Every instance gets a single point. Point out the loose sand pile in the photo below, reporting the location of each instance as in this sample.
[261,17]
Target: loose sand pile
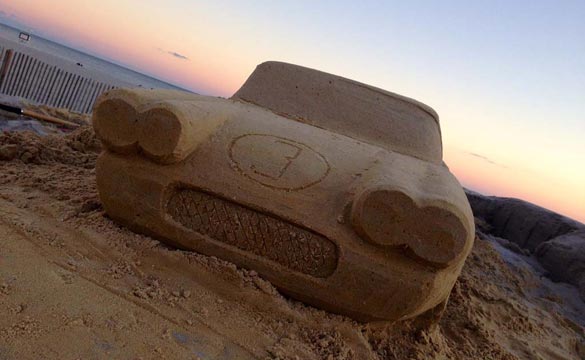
[60,113]
[73,284]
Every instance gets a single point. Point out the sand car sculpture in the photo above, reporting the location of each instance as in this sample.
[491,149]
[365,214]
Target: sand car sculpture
[333,190]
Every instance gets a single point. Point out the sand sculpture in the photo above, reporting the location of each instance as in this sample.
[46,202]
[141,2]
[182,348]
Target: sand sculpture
[333,190]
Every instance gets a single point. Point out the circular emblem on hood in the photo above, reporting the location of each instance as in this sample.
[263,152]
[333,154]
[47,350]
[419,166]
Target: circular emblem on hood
[278,162]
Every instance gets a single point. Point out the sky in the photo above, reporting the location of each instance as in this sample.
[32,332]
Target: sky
[506,77]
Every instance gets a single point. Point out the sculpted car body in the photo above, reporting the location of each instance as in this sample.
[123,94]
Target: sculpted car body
[333,190]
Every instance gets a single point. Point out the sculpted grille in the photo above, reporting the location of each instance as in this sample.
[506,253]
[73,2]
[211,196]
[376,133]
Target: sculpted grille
[264,235]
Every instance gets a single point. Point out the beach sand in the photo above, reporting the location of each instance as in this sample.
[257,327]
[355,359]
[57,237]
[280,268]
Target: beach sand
[74,285]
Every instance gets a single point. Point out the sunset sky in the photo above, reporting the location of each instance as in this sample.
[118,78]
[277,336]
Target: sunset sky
[506,77]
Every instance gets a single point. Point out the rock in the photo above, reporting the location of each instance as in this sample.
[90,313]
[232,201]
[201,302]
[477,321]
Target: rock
[564,258]
[519,221]
[8,152]
[26,157]
[90,205]
[77,145]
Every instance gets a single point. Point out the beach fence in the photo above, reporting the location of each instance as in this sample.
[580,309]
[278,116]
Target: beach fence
[22,75]
[45,79]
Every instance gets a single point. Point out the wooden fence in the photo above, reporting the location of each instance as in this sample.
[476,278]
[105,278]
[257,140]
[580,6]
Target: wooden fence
[25,76]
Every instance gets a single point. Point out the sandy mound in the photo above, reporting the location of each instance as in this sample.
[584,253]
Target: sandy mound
[68,273]
[555,241]
[526,225]
[564,258]
[78,148]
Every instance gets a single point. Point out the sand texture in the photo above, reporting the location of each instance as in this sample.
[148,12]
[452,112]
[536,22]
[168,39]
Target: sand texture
[334,211]
[74,285]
